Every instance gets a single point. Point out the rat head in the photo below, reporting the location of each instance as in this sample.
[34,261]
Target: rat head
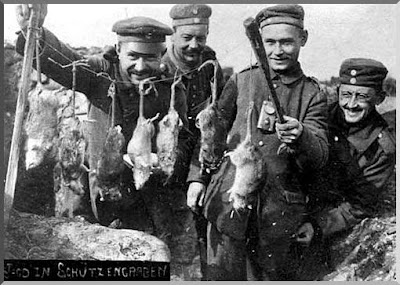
[213,137]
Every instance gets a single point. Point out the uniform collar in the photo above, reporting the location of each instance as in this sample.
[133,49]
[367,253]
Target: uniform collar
[289,77]
[362,135]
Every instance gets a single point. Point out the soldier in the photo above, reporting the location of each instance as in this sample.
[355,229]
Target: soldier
[137,56]
[185,55]
[362,152]
[264,233]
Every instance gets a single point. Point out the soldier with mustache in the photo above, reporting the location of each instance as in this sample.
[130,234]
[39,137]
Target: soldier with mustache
[187,52]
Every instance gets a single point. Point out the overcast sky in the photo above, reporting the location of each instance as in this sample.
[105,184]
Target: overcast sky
[336,31]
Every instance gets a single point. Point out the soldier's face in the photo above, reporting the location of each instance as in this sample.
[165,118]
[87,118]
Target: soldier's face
[189,42]
[136,66]
[356,102]
[282,43]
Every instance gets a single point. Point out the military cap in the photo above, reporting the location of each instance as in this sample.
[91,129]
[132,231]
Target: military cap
[190,14]
[148,34]
[291,14]
[363,72]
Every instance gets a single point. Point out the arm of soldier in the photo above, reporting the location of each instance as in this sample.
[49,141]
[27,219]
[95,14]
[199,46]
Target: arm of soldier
[382,168]
[51,47]
[363,194]
[337,219]
[312,145]
[366,191]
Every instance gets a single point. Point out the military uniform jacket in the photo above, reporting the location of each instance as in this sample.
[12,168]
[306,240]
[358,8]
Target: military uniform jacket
[198,93]
[361,161]
[96,89]
[284,175]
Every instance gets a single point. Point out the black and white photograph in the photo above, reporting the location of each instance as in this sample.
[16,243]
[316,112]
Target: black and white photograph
[200,142]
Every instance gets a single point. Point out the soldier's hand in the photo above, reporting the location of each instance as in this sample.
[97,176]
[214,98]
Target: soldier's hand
[305,234]
[195,196]
[23,12]
[289,131]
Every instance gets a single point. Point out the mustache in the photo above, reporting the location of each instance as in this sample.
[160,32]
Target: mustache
[193,51]
[356,109]
[140,73]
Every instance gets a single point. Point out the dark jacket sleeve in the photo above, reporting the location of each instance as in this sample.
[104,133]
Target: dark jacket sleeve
[312,146]
[53,48]
[362,196]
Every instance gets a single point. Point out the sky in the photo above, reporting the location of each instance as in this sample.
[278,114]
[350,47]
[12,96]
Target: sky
[336,31]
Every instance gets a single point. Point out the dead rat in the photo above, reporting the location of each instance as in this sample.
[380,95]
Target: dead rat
[248,161]
[167,137]
[213,129]
[139,147]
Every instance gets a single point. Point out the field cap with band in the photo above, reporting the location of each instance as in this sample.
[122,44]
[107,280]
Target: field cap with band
[190,14]
[291,14]
[363,72]
[147,34]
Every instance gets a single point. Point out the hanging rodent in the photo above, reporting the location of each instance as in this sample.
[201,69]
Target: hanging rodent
[139,147]
[213,129]
[167,137]
[110,166]
[68,172]
[248,161]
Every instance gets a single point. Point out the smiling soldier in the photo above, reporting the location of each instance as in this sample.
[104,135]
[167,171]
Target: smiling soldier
[362,152]
[186,54]
[137,56]
[263,232]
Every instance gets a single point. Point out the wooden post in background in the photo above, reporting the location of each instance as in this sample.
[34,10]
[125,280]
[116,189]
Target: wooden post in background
[12,169]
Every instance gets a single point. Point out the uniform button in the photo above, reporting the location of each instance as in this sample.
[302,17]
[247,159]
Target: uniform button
[275,85]
[260,143]
[335,138]
[380,135]
[190,117]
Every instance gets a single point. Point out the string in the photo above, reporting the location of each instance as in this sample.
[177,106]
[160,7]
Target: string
[105,75]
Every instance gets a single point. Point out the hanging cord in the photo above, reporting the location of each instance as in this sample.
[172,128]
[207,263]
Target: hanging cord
[38,69]
[177,80]
[111,94]
[74,64]
[101,74]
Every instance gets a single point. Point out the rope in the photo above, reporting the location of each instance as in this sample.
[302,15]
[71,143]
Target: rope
[103,74]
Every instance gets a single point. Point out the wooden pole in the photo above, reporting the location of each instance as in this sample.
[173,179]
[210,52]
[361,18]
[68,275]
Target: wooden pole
[19,113]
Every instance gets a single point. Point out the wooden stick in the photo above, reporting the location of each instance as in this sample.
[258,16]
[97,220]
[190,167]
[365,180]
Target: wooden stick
[19,113]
